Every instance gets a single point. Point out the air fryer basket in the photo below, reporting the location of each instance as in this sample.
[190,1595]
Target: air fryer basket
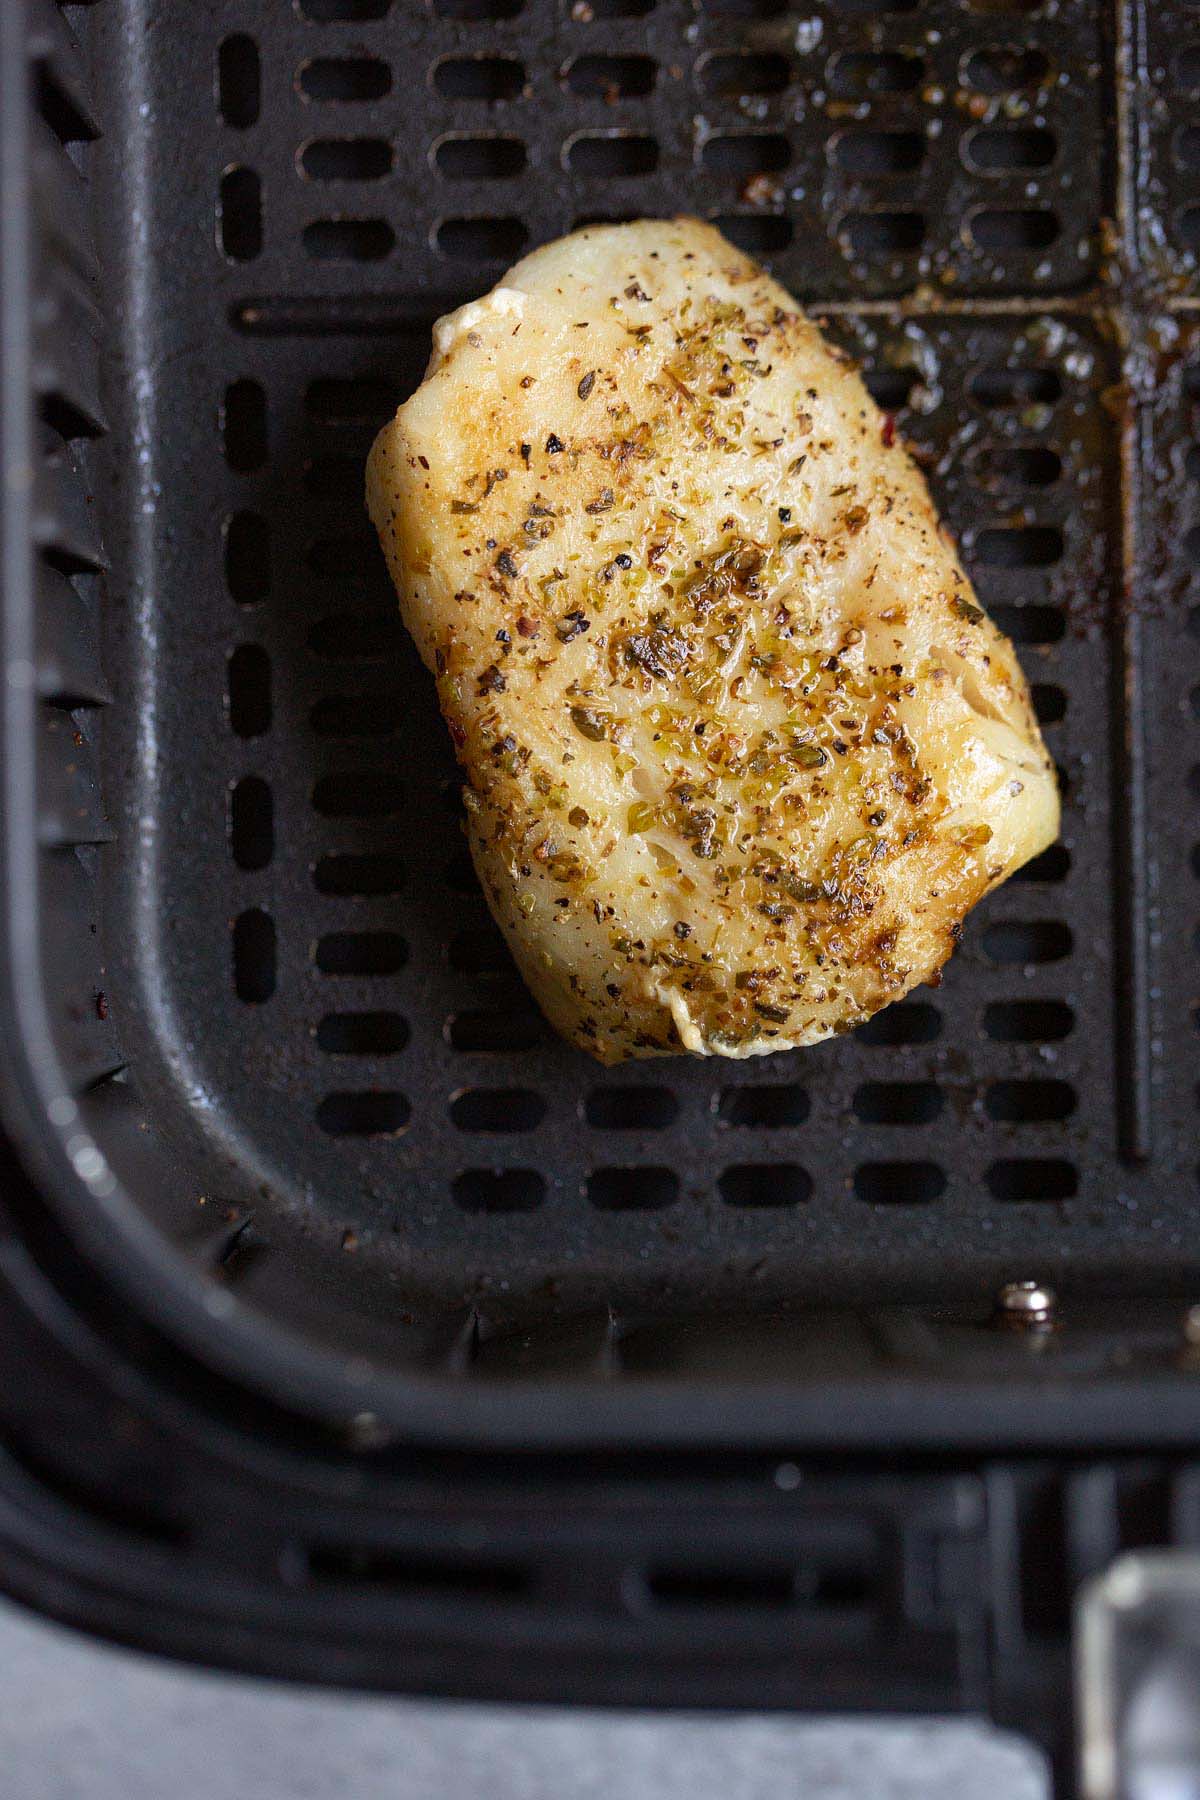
[291,984]
[372,1140]
[292,1123]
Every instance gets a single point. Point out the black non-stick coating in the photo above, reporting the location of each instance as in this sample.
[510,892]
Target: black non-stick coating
[313,1003]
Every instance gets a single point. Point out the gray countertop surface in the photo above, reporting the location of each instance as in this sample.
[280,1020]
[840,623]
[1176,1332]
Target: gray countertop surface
[84,1721]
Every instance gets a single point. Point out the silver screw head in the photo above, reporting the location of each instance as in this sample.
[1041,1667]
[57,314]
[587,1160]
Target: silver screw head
[1026,1302]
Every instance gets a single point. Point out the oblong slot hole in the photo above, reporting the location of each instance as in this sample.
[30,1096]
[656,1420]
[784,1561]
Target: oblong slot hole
[1049,702]
[497,1109]
[632,1108]
[758,234]
[1036,1178]
[1030,624]
[496,1033]
[480,158]
[746,9]
[476,12]
[899,1183]
[763,1108]
[345,401]
[637,1189]
[839,1586]
[239,214]
[866,154]
[1018,546]
[908,1022]
[1016,465]
[247,558]
[481,240]
[1024,148]
[1028,941]
[331,12]
[249,678]
[346,159]
[617,9]
[239,80]
[488,78]
[358,794]
[1030,1102]
[360,953]
[889,387]
[366,1114]
[1187,223]
[729,75]
[882,233]
[611,156]
[348,240]
[898,1102]
[251,823]
[352,716]
[1007,230]
[690,1588]
[69,420]
[58,99]
[1003,69]
[353,873]
[765,1184]
[1187,147]
[345,79]
[1002,389]
[742,154]
[1186,69]
[244,425]
[1053,864]
[1028,1021]
[254,956]
[356,637]
[498,1190]
[857,74]
[611,77]
[362,1034]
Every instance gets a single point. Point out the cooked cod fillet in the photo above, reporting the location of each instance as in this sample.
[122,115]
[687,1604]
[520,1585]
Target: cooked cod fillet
[743,748]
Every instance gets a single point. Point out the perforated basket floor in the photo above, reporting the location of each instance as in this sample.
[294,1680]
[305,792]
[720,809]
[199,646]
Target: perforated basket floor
[304,980]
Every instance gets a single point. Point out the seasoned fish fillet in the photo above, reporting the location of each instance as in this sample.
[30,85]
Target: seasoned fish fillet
[743,748]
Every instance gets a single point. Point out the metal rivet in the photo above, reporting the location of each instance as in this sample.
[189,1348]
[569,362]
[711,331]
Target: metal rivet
[1026,1303]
